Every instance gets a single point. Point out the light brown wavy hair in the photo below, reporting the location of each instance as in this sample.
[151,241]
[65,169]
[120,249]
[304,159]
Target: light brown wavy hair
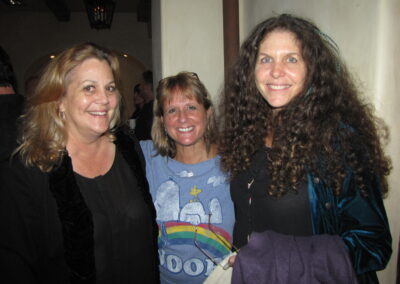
[190,86]
[43,135]
[326,130]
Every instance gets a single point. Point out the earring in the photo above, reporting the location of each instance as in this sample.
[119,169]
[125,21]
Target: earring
[62,115]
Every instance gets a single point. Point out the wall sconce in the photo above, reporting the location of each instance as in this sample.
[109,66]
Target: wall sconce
[100,13]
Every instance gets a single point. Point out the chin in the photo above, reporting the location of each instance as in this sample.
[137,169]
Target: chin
[278,104]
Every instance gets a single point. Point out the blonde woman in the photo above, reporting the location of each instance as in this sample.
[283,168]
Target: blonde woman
[74,201]
[191,194]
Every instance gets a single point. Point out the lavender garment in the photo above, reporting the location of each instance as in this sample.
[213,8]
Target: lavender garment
[270,257]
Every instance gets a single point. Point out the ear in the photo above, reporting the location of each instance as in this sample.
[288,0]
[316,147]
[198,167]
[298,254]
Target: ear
[209,112]
[61,105]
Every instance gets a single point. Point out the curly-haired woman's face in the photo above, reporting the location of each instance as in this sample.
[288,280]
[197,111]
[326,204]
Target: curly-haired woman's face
[280,70]
[91,100]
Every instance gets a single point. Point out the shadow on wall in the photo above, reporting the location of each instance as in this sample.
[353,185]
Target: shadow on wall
[131,74]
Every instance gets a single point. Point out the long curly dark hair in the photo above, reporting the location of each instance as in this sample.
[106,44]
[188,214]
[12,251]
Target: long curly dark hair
[325,130]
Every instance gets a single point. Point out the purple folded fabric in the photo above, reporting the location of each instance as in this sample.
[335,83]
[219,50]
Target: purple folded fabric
[270,257]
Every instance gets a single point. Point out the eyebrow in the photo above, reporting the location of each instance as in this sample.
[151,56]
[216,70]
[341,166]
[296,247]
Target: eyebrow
[290,53]
[96,82]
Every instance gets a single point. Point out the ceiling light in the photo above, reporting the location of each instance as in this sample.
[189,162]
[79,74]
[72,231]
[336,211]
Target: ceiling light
[100,13]
[13,2]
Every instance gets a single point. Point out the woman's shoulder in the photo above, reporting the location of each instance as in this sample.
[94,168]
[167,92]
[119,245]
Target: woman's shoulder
[15,166]
[146,144]
[147,148]
[18,178]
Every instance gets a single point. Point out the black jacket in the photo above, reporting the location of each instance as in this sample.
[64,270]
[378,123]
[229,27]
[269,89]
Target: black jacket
[10,110]
[47,229]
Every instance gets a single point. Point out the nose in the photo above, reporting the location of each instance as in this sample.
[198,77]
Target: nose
[182,116]
[277,70]
[102,97]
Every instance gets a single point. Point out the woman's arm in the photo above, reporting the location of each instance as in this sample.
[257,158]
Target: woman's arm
[365,227]
[18,225]
[360,220]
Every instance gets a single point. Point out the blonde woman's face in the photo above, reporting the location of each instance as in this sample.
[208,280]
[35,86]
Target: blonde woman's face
[91,100]
[185,120]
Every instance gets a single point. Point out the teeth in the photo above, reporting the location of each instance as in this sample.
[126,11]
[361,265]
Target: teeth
[278,87]
[98,112]
[185,129]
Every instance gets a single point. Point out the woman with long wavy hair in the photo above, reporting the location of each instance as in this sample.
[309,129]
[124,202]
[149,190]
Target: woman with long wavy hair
[303,149]
[74,201]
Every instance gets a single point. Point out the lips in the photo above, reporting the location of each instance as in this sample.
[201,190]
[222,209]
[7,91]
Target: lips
[278,87]
[186,129]
[98,113]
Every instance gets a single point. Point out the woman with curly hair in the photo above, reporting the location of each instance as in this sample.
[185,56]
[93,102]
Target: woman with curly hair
[303,149]
[75,205]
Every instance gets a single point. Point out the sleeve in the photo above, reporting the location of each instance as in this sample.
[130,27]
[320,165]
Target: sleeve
[147,147]
[149,156]
[18,226]
[359,219]
[365,228]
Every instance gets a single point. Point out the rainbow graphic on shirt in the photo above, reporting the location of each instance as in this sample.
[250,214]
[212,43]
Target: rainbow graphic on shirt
[209,237]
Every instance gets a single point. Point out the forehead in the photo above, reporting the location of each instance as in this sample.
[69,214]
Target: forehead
[280,40]
[90,67]
[178,95]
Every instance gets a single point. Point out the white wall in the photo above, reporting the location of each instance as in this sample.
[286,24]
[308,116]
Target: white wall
[367,32]
[387,102]
[189,37]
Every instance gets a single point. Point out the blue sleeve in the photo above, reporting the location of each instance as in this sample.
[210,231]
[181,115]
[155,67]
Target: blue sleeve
[360,220]
[147,147]
[365,227]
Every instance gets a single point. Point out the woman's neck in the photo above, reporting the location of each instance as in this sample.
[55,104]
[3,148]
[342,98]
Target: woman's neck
[194,155]
[85,146]
[268,141]
[91,159]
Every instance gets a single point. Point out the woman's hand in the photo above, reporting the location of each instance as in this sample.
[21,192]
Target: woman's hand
[230,262]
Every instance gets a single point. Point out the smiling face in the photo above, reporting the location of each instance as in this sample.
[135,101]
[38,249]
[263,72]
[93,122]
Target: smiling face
[185,120]
[280,70]
[90,101]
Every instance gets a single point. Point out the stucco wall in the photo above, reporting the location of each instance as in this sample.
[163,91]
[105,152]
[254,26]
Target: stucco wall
[190,38]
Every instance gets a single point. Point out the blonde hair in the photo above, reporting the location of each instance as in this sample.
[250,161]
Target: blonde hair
[190,86]
[42,135]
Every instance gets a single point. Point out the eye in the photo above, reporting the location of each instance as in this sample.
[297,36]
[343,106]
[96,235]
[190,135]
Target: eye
[111,88]
[192,107]
[89,88]
[266,59]
[171,111]
[292,59]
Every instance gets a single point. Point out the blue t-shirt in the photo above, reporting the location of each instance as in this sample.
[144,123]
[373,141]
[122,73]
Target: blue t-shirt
[193,206]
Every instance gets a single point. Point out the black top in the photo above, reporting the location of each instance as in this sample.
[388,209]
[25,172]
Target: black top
[118,213]
[256,211]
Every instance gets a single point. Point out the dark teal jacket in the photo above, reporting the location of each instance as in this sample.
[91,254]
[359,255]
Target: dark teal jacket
[359,220]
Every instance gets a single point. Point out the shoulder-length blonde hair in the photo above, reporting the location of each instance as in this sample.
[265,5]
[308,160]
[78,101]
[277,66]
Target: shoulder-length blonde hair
[42,135]
[189,85]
